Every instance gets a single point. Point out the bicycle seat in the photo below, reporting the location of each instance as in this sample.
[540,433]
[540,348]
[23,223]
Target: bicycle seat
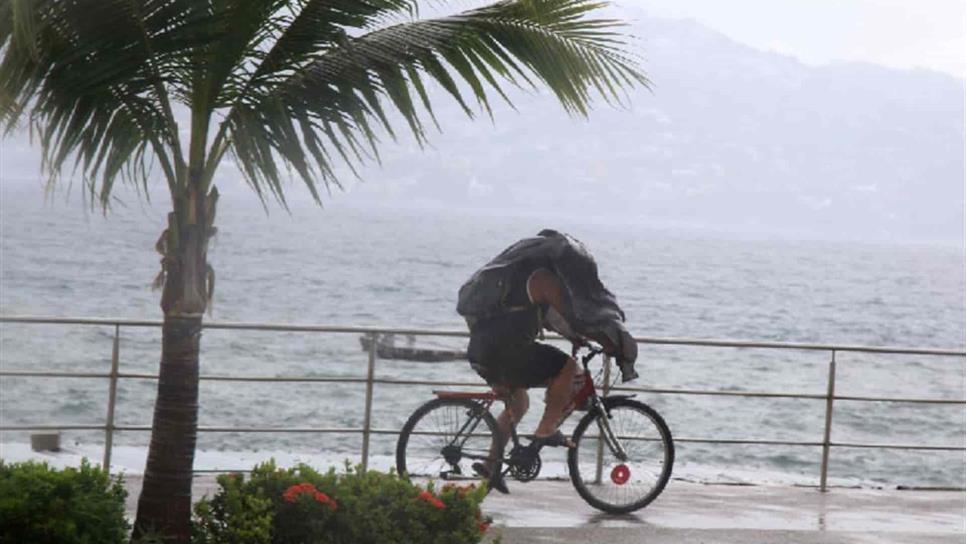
[480,395]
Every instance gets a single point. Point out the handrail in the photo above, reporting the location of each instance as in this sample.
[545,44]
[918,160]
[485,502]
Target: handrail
[283,327]
[370,381]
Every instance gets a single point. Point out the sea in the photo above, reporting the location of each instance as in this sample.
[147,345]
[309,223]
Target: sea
[362,263]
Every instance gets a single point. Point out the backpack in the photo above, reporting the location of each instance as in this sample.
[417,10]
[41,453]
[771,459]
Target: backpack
[484,294]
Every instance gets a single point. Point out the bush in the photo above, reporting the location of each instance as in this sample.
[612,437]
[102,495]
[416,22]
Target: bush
[301,505]
[41,505]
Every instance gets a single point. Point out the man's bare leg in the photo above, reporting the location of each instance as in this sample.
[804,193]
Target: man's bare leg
[559,396]
[517,404]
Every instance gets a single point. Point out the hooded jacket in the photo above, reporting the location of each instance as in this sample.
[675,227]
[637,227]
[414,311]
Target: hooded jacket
[589,308]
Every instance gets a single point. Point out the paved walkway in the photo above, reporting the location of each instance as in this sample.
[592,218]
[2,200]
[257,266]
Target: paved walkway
[544,512]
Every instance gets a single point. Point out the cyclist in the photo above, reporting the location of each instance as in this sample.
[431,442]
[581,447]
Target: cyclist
[547,282]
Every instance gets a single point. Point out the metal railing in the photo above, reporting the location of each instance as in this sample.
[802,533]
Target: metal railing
[830,396]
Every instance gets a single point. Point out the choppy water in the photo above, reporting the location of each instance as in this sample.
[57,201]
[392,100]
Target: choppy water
[402,268]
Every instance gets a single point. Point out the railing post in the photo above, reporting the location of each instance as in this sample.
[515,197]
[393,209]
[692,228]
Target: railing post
[826,442]
[112,399]
[605,388]
[368,418]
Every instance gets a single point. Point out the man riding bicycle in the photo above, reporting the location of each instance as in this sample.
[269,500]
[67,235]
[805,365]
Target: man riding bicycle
[546,282]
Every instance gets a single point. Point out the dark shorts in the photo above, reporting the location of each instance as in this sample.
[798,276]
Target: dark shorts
[521,365]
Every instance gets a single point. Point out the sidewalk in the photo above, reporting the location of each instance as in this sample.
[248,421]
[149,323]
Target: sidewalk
[544,512]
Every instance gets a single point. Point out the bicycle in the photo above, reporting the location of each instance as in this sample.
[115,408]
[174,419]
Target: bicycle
[442,439]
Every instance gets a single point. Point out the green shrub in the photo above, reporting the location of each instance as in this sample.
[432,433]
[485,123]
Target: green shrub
[41,505]
[302,506]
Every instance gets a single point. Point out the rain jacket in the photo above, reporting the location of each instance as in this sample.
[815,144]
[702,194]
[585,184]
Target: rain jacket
[589,308]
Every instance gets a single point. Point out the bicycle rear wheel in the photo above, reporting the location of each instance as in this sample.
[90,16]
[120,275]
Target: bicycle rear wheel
[443,438]
[621,485]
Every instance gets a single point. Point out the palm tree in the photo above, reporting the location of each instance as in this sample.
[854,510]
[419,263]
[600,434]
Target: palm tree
[286,87]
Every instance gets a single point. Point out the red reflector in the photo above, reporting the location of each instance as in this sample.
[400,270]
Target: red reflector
[620,474]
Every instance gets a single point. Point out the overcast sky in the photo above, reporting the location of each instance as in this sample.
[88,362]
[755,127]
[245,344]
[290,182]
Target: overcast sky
[896,33]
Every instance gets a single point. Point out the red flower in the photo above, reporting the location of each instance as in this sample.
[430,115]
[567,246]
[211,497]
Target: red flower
[322,498]
[292,493]
[483,526]
[428,497]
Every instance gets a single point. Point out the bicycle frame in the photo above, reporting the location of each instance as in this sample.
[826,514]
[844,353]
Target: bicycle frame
[596,404]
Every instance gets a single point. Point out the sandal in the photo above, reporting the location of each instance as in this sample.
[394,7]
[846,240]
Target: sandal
[494,481]
[555,440]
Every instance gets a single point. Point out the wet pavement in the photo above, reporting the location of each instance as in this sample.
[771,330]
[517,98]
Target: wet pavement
[544,512]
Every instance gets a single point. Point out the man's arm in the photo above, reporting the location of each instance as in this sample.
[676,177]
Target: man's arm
[544,287]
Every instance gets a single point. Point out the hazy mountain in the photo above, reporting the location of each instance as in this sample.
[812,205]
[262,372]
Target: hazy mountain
[730,139]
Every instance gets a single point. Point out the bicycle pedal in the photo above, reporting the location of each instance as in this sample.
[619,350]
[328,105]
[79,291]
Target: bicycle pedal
[447,474]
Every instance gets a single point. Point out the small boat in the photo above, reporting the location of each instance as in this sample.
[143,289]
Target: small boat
[386,348]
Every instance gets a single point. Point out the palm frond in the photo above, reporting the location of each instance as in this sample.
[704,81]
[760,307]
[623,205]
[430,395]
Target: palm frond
[315,26]
[262,40]
[328,109]
[90,75]
[296,80]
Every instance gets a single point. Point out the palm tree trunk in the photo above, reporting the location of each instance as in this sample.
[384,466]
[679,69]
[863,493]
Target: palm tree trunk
[164,506]
[165,503]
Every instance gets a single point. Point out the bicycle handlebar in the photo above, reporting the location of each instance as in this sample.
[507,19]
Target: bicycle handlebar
[593,351]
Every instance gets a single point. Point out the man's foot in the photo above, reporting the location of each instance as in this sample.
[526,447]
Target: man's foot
[557,439]
[494,481]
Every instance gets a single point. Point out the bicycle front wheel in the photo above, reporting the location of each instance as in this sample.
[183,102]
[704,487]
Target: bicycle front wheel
[621,463]
[443,438]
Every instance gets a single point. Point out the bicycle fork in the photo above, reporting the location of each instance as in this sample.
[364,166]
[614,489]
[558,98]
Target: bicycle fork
[609,438]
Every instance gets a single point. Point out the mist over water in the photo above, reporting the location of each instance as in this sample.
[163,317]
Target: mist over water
[381,266]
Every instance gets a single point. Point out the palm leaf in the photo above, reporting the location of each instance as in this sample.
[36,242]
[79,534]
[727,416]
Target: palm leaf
[349,83]
[93,76]
[303,84]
